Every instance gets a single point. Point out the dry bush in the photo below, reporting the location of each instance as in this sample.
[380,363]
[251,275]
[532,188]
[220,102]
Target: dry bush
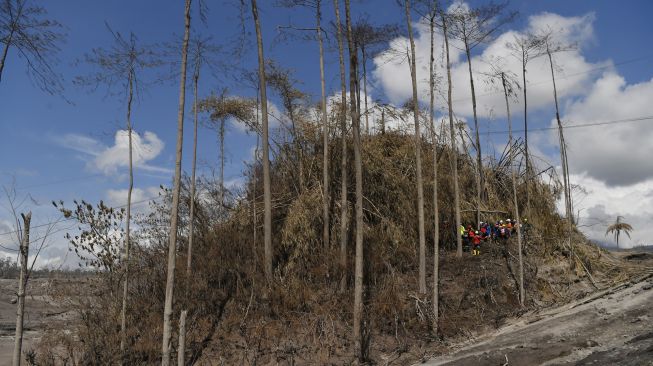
[300,317]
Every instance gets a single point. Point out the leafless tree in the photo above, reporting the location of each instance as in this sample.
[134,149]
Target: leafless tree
[472,27]
[418,155]
[370,38]
[267,211]
[172,244]
[548,47]
[201,52]
[36,38]
[281,80]
[509,86]
[316,5]
[344,219]
[358,166]
[452,131]
[430,14]
[524,48]
[120,67]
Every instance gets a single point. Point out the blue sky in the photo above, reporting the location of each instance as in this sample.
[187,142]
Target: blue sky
[51,148]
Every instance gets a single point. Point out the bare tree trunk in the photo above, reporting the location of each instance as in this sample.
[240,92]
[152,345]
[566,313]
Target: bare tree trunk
[125,293]
[436,215]
[479,161]
[174,213]
[4,53]
[367,122]
[355,117]
[20,310]
[343,161]
[514,194]
[418,158]
[181,351]
[563,160]
[454,150]
[528,162]
[267,219]
[325,138]
[221,137]
[255,233]
[191,219]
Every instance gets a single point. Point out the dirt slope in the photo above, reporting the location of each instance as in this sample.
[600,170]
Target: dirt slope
[610,327]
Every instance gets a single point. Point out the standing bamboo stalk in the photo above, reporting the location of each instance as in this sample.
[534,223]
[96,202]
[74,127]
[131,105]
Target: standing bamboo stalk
[355,118]
[436,215]
[326,196]
[20,309]
[454,150]
[563,155]
[343,159]
[418,157]
[172,244]
[267,200]
[514,193]
[125,294]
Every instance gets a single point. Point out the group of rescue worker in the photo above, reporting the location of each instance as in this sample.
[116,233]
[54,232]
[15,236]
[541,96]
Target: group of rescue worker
[500,230]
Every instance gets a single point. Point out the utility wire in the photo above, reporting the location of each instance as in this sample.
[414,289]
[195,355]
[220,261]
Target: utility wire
[582,125]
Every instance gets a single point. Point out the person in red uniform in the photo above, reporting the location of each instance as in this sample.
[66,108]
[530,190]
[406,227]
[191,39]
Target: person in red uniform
[476,242]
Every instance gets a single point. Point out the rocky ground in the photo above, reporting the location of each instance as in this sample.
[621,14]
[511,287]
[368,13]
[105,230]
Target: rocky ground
[610,327]
[41,311]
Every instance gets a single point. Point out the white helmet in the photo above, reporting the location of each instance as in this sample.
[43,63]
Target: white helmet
[507,220]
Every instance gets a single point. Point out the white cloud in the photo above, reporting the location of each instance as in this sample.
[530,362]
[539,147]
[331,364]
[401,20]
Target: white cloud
[145,148]
[118,197]
[110,159]
[604,203]
[618,154]
[393,75]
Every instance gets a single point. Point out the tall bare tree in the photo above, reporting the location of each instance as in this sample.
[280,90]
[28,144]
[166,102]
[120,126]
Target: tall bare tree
[281,80]
[172,244]
[509,87]
[548,47]
[316,5]
[370,39]
[343,159]
[326,195]
[431,15]
[267,200]
[26,29]
[358,166]
[120,67]
[418,155]
[22,283]
[524,48]
[452,131]
[473,26]
[201,50]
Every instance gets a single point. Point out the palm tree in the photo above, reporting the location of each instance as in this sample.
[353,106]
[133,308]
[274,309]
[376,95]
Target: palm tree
[617,228]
